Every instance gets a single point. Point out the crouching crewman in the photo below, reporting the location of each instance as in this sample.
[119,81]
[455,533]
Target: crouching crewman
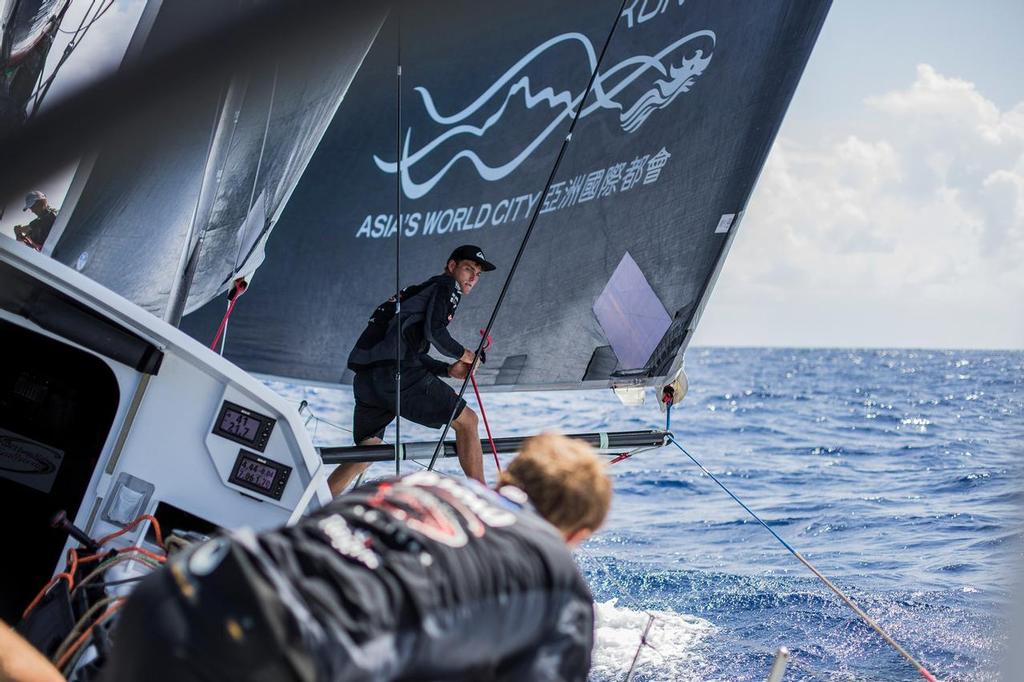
[424,577]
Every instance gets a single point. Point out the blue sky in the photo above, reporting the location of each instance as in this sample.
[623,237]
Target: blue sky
[891,210]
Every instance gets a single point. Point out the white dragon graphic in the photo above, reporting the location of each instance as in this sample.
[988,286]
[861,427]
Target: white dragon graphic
[670,72]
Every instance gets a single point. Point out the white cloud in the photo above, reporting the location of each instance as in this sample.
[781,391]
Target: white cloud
[906,231]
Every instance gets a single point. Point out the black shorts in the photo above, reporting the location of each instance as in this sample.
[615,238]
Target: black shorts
[426,400]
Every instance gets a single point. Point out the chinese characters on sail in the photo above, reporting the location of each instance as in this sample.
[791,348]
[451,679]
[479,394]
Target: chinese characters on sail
[598,184]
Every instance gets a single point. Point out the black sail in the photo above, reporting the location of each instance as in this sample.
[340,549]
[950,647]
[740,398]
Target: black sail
[177,202]
[686,104]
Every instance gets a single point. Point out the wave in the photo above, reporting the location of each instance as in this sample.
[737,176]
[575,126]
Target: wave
[672,652]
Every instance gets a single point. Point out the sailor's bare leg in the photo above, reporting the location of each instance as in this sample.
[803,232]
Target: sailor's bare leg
[345,473]
[467,444]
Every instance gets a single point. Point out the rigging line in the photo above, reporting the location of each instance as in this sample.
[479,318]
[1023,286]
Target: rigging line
[480,403]
[639,648]
[85,16]
[318,418]
[668,431]
[486,426]
[236,293]
[224,336]
[849,602]
[77,36]
[622,589]
[529,231]
[398,244]
[336,426]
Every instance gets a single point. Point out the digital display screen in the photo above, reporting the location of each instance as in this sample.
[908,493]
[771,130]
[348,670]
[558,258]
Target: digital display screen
[243,425]
[257,474]
[264,476]
[240,425]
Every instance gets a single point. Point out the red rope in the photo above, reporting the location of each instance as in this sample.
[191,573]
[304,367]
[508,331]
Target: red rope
[236,293]
[487,427]
[494,448]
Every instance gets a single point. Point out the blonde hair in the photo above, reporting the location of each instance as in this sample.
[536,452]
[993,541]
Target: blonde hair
[564,479]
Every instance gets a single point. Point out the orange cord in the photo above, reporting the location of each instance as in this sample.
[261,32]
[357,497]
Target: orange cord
[72,566]
[73,561]
[145,517]
[143,552]
[85,635]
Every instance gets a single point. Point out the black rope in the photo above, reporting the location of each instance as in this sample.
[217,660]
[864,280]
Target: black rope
[76,37]
[529,230]
[398,251]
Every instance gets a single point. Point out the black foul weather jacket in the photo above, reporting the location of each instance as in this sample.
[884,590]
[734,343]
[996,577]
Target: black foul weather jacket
[419,578]
[427,308]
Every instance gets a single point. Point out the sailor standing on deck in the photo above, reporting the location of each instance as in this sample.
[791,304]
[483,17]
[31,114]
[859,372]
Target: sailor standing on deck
[35,233]
[427,309]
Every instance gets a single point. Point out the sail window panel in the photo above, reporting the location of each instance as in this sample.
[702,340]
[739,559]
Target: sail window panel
[631,315]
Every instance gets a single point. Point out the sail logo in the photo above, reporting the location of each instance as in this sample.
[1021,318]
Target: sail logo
[600,183]
[635,88]
[641,11]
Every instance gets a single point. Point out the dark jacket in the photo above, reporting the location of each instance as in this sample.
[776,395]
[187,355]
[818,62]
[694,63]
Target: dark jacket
[427,309]
[461,582]
[39,229]
[420,578]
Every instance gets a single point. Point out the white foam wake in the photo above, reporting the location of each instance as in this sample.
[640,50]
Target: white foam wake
[674,651]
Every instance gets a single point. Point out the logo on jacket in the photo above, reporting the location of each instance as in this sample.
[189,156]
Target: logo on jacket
[439,508]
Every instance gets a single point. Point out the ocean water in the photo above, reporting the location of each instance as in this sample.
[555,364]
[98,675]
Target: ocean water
[897,472]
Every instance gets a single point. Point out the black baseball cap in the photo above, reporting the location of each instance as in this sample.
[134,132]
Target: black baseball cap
[473,253]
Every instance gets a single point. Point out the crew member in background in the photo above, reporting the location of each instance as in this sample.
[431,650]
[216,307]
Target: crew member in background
[35,233]
[427,309]
[418,578]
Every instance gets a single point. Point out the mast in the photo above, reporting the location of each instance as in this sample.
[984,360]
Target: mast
[398,248]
